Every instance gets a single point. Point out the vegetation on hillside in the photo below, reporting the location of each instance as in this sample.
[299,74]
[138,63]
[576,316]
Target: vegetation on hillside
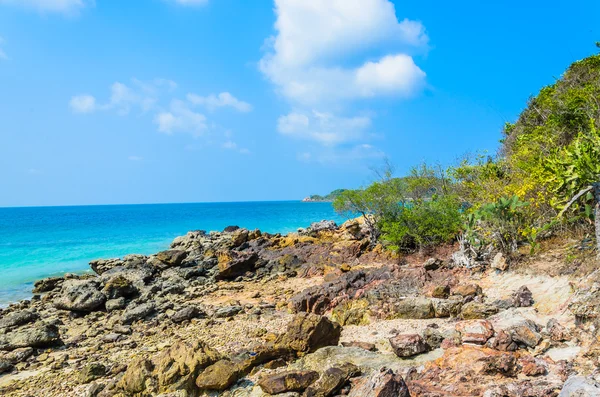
[544,180]
[327,198]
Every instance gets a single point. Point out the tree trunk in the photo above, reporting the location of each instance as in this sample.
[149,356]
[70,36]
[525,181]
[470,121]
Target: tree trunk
[597,215]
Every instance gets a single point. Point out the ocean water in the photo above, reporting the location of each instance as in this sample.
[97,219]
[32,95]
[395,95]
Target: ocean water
[39,242]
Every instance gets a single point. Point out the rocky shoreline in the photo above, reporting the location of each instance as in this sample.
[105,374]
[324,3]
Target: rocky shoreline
[320,312]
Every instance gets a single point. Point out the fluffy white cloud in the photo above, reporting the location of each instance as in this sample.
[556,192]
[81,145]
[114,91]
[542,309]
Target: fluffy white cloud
[180,118]
[212,101]
[82,104]
[59,6]
[231,145]
[308,56]
[325,128]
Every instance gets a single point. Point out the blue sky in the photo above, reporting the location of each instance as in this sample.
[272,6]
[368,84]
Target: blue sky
[151,101]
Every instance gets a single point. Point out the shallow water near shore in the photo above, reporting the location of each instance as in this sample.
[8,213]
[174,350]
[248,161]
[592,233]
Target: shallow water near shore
[39,242]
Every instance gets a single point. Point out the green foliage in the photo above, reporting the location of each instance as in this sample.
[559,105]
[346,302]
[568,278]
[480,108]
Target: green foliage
[327,198]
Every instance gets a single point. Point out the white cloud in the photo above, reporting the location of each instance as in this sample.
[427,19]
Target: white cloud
[308,58]
[83,104]
[58,6]
[230,145]
[212,101]
[324,128]
[181,119]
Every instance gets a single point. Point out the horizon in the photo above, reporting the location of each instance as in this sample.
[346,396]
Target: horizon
[177,102]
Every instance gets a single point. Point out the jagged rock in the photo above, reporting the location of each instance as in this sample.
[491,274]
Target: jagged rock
[47,284]
[218,376]
[16,319]
[433,338]
[332,380]
[115,304]
[230,229]
[308,332]
[475,331]
[119,287]
[476,310]
[523,297]
[446,307]
[432,264]
[532,367]
[499,262]
[172,257]
[414,308]
[363,345]
[408,345]
[81,296]
[177,367]
[503,342]
[503,363]
[134,379]
[557,332]
[227,311]
[580,386]
[584,304]
[441,291]
[380,384]
[187,313]
[100,266]
[353,312]
[91,372]
[317,227]
[233,264]
[526,332]
[5,366]
[18,355]
[37,336]
[465,290]
[288,381]
[139,312]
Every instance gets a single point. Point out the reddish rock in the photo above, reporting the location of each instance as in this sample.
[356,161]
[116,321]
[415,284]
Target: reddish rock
[288,381]
[408,345]
[380,384]
[465,290]
[475,331]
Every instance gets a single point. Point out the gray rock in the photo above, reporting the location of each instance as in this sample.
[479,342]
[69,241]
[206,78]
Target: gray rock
[227,311]
[5,366]
[523,297]
[580,386]
[80,295]
[38,336]
[115,304]
[172,257]
[380,384]
[187,313]
[47,284]
[18,355]
[18,318]
[135,313]
[408,345]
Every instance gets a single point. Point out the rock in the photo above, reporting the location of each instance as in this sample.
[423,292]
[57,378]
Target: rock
[91,372]
[187,313]
[441,291]
[523,297]
[308,332]
[352,312]
[557,332]
[446,307]
[119,287]
[115,304]
[414,308]
[42,335]
[332,380]
[134,379]
[584,304]
[227,311]
[580,386]
[526,332]
[233,264]
[477,310]
[475,331]
[136,313]
[16,319]
[432,264]
[230,229]
[47,284]
[93,390]
[317,227]
[288,381]
[362,345]
[433,338]
[80,295]
[177,367]
[408,345]
[218,376]
[18,355]
[502,363]
[172,257]
[532,367]
[503,342]
[465,290]
[380,384]
[499,262]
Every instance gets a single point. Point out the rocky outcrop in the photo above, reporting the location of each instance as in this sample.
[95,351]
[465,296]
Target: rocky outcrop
[408,345]
[81,296]
[308,332]
[383,384]
[41,335]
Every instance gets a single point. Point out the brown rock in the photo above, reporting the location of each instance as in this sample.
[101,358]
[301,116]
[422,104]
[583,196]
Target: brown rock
[476,310]
[134,379]
[465,290]
[362,345]
[288,381]
[441,291]
[523,297]
[380,384]
[332,380]
[503,342]
[408,345]
[233,264]
[526,333]
[171,257]
[503,363]
[308,332]
[218,376]
[475,331]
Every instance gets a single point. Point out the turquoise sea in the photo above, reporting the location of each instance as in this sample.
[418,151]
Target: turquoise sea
[38,242]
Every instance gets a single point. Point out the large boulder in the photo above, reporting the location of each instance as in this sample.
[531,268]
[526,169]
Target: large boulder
[580,386]
[47,284]
[308,332]
[233,264]
[476,332]
[172,257]
[119,287]
[525,332]
[414,308]
[41,335]
[218,376]
[332,380]
[80,296]
[408,345]
[288,381]
[16,319]
[136,313]
[477,310]
[380,384]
